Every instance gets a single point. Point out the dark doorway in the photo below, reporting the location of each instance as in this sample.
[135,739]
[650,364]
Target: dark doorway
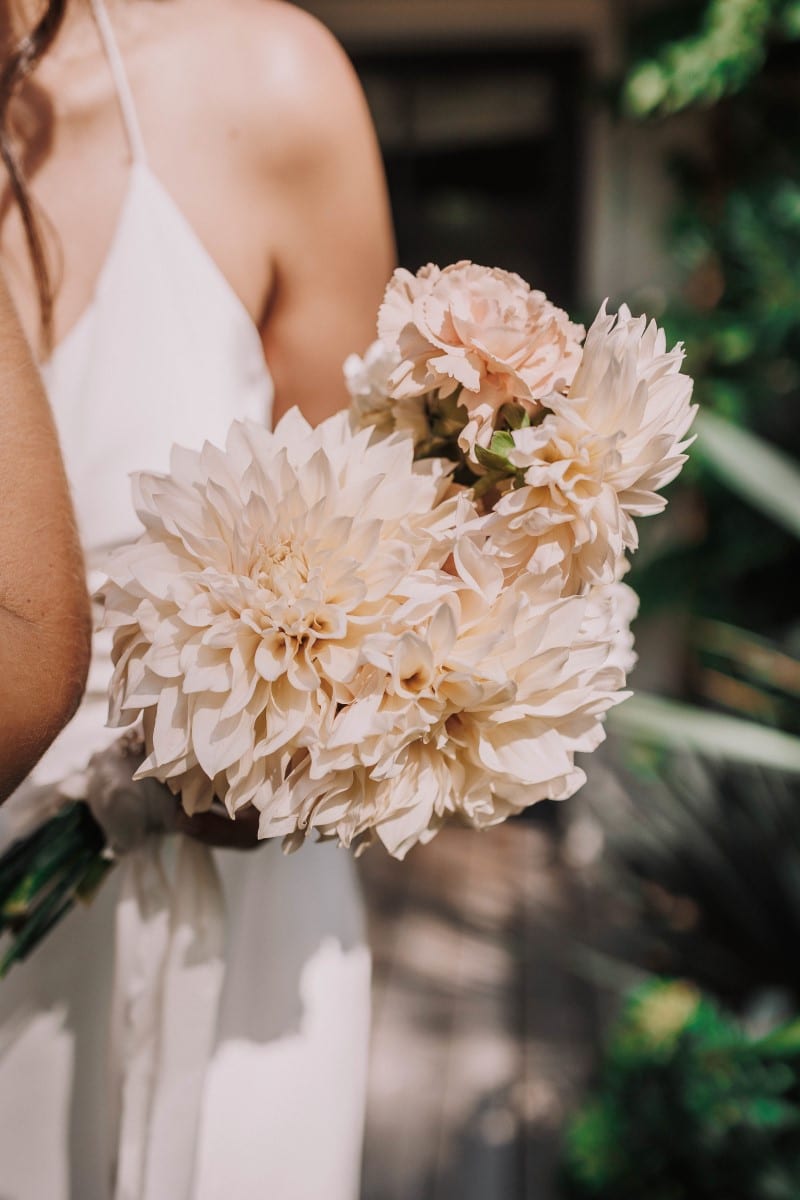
[482,151]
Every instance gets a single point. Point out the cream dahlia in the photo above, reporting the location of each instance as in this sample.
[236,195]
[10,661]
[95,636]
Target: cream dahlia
[475,714]
[241,612]
[598,459]
[629,387]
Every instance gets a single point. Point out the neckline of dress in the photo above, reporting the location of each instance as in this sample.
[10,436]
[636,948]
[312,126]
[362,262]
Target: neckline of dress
[140,172]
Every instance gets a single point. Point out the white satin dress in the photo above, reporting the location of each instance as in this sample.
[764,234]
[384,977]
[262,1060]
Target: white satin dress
[165,353]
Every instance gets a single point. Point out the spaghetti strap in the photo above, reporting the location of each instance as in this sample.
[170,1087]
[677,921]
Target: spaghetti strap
[119,74]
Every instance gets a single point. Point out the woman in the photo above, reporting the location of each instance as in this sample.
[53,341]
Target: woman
[213,179]
[44,611]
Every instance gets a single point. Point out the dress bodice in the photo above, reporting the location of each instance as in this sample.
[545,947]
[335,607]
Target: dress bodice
[164,353]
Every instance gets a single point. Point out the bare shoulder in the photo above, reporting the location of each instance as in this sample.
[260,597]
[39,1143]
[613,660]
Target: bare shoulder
[294,50]
[305,77]
[278,74]
[269,125]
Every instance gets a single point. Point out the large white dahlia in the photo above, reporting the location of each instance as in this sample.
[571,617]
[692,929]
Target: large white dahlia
[240,613]
[476,713]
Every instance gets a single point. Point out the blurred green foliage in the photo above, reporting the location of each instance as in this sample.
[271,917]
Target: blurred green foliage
[688,1107]
[726,841]
[703,848]
[735,239]
[719,58]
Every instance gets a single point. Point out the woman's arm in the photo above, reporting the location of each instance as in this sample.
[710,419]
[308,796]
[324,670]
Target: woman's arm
[331,229]
[44,611]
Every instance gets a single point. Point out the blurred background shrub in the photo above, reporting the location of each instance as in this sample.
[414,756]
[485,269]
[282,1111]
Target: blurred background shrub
[705,847]
[649,151]
[689,1107]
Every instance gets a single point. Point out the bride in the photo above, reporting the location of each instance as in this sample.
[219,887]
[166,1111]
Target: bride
[194,229]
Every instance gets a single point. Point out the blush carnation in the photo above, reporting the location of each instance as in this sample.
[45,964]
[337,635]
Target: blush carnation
[481,330]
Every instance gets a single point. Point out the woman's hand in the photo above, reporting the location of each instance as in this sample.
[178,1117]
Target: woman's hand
[217,829]
[130,810]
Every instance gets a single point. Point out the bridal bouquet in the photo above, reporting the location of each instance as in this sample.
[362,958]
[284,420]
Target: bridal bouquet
[413,612]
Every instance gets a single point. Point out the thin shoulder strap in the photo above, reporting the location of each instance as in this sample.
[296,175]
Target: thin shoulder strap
[120,76]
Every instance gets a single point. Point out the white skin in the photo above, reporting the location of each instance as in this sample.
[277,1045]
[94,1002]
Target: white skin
[255,123]
[44,610]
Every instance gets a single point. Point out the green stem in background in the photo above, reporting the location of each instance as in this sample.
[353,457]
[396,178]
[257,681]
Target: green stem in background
[757,471]
[656,721]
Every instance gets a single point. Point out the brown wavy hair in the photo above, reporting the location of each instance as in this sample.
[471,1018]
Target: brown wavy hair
[17,66]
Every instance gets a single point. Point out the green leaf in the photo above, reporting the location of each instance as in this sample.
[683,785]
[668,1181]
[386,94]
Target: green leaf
[753,657]
[501,443]
[789,20]
[784,1041]
[492,461]
[96,872]
[758,472]
[447,416]
[667,723]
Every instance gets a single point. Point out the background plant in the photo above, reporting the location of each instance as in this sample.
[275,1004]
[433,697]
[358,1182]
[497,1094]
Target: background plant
[689,1107]
[702,844]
